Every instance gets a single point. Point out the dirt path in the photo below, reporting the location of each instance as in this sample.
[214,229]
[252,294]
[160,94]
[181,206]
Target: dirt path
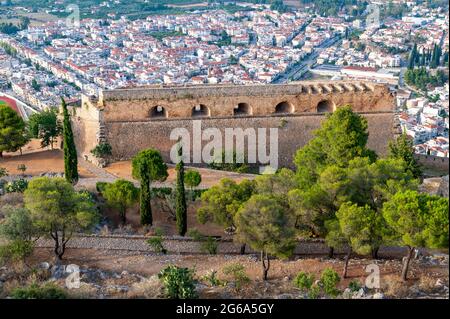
[210,177]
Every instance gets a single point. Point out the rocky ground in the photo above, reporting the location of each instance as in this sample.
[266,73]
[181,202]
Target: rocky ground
[130,275]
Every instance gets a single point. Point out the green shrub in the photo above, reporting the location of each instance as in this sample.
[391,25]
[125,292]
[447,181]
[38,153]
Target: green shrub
[314,292]
[17,186]
[195,234]
[238,274]
[304,281]
[3,172]
[220,163]
[16,250]
[178,282]
[354,285]
[212,279]
[163,192]
[209,245]
[192,178]
[156,242]
[100,186]
[34,291]
[102,150]
[329,279]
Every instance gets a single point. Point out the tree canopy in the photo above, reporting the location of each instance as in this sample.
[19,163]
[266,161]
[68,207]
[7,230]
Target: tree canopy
[341,137]
[12,130]
[403,149]
[222,201]
[121,195]
[192,178]
[266,224]
[416,220]
[45,126]
[58,211]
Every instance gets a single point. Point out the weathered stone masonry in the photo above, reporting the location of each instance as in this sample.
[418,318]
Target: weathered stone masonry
[135,119]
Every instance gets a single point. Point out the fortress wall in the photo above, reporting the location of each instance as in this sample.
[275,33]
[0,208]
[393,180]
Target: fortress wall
[136,104]
[128,138]
[123,118]
[86,127]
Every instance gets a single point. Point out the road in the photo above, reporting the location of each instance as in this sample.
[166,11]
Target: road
[297,71]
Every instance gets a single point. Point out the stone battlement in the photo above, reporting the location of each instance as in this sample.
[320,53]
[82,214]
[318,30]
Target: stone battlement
[197,91]
[133,119]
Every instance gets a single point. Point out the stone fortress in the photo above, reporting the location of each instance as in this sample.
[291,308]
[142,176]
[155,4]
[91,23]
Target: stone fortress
[138,118]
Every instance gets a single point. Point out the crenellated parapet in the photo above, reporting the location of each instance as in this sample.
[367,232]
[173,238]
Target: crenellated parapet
[158,103]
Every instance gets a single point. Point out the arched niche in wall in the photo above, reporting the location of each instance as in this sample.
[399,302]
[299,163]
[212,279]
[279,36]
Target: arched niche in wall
[200,110]
[325,106]
[242,109]
[158,111]
[284,108]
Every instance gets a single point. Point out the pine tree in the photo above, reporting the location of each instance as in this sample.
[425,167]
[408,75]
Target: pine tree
[70,151]
[181,209]
[403,149]
[12,130]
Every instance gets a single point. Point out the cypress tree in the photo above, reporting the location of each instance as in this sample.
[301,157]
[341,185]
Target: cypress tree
[145,198]
[148,166]
[180,197]
[445,59]
[438,55]
[70,151]
[422,59]
[416,55]
[435,57]
[412,57]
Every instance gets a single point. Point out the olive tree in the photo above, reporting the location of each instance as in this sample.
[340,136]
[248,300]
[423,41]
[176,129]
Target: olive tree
[18,229]
[58,211]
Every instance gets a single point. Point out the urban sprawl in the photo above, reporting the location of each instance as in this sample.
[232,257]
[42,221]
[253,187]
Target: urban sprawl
[40,64]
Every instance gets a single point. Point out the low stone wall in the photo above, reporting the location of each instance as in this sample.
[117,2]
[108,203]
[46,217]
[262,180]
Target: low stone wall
[185,245]
[433,162]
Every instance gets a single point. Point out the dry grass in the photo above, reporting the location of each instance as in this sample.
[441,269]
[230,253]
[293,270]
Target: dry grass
[11,199]
[85,291]
[149,288]
[394,286]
